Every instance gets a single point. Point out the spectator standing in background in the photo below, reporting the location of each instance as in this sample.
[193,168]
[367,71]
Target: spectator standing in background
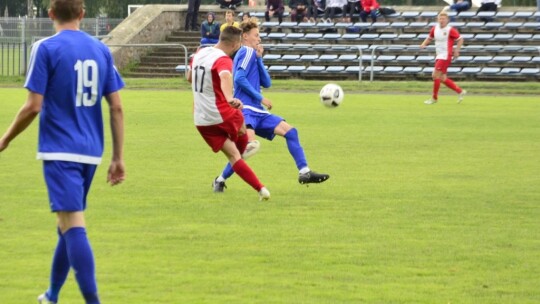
[210,30]
[229,21]
[350,8]
[274,8]
[369,8]
[333,7]
[192,15]
[299,10]
[488,6]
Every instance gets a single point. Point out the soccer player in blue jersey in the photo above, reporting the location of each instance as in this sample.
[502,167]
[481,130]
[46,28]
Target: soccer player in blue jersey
[68,75]
[249,75]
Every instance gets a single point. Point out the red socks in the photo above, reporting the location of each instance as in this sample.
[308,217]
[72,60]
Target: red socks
[241,143]
[436,86]
[245,172]
[449,83]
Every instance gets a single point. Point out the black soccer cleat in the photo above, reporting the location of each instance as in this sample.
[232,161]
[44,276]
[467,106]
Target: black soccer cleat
[219,187]
[312,177]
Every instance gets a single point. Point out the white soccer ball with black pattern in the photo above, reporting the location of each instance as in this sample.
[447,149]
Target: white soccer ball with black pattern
[331,95]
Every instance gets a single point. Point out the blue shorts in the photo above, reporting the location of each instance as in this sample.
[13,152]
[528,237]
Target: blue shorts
[264,124]
[68,184]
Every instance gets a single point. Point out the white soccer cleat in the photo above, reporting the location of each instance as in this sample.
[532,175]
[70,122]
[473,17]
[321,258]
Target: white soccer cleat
[264,194]
[461,96]
[251,149]
[430,101]
[42,299]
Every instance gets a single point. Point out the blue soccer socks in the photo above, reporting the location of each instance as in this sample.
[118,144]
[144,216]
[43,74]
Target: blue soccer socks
[59,269]
[296,150]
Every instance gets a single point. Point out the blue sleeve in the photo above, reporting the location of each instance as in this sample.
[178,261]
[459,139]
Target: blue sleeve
[266,82]
[241,82]
[38,71]
[114,81]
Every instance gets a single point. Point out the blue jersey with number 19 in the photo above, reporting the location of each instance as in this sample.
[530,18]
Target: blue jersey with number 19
[73,71]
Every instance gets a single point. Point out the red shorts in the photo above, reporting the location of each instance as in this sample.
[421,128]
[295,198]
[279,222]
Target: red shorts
[442,65]
[216,135]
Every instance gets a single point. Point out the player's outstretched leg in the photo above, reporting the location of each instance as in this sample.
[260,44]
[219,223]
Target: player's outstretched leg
[306,176]
[59,272]
[436,86]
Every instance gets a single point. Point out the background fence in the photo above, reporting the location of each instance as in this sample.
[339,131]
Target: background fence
[18,34]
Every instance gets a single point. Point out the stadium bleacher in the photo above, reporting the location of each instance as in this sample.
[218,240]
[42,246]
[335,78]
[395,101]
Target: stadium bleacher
[507,47]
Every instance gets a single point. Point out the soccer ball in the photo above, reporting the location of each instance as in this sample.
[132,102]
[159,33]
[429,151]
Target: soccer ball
[331,95]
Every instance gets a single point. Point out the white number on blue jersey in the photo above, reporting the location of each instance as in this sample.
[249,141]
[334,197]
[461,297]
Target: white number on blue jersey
[87,78]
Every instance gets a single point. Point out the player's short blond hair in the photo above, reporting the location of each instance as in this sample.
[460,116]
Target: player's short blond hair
[248,25]
[443,14]
[231,34]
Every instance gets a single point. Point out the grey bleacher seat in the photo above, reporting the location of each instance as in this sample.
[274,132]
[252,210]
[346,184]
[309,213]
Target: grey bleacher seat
[422,36]
[510,71]
[536,37]
[483,37]
[393,69]
[180,68]
[405,58]
[452,14]
[521,59]
[296,68]
[325,25]
[464,59]
[502,59]
[482,59]
[353,69]
[350,36]
[259,14]
[536,60]
[457,24]
[313,36]
[503,37]
[418,25]
[277,68]
[410,15]
[308,57]
[388,36]
[293,36]
[493,48]
[276,35]
[290,57]
[485,14]
[503,15]
[466,15]
[513,25]
[530,71]
[530,48]
[531,25]
[371,37]
[375,69]
[367,58]
[525,37]
[523,15]
[426,58]
[513,48]
[271,56]
[301,46]
[428,70]
[490,70]
[379,25]
[472,48]
[363,25]
[399,24]
[454,70]
[304,25]
[288,24]
[335,69]
[321,47]
[331,36]
[412,70]
[347,57]
[467,36]
[428,14]
[263,35]
[471,70]
[283,46]
[474,25]
[406,36]
[493,25]
[315,69]
[270,24]
[343,24]
[328,57]
[386,58]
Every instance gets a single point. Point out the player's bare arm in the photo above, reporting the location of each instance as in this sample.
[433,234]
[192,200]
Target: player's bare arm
[23,119]
[227,88]
[458,48]
[425,43]
[117,172]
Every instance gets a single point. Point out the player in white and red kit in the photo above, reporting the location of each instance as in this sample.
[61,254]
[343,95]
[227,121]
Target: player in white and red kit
[217,114]
[445,36]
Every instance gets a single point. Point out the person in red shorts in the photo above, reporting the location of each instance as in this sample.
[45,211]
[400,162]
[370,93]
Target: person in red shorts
[445,36]
[217,114]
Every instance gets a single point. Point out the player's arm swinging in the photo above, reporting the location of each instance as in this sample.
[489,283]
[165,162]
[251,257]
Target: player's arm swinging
[24,118]
[227,88]
[426,42]
[458,47]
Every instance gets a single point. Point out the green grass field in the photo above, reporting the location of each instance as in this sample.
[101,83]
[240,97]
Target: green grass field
[425,204]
